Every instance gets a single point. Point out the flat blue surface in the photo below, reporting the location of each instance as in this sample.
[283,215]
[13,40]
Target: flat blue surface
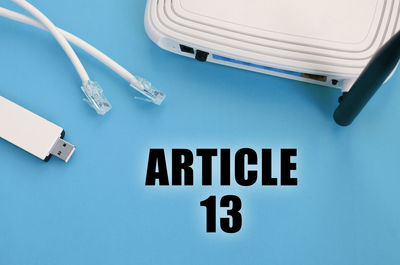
[97,210]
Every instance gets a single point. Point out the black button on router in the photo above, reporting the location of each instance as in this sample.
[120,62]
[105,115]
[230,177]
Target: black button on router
[201,56]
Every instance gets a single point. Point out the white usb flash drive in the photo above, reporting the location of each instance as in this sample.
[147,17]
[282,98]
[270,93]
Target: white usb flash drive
[32,133]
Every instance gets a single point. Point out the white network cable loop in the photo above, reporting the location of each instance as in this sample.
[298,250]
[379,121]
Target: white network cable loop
[92,90]
[138,83]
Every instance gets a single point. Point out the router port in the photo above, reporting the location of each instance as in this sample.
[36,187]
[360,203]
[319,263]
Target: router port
[186,49]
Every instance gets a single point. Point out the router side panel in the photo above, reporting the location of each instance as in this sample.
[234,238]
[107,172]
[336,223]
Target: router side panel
[170,31]
[174,46]
[207,42]
[333,56]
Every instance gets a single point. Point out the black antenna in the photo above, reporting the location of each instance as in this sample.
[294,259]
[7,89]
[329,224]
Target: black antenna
[372,78]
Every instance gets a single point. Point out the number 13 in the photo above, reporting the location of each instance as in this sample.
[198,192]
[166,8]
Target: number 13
[226,225]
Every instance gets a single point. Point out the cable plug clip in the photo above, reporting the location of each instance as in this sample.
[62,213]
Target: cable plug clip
[95,97]
[152,94]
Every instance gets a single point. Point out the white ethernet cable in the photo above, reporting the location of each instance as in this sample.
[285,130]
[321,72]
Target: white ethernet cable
[91,89]
[58,36]
[140,84]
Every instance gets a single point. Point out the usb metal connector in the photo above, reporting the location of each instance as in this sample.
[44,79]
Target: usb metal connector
[63,150]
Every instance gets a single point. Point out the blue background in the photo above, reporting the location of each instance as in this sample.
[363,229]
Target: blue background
[97,210]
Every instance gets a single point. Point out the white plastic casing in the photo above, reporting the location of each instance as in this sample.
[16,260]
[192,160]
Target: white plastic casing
[27,130]
[321,37]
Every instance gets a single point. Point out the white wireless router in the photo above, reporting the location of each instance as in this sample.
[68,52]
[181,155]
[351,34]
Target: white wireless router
[348,44]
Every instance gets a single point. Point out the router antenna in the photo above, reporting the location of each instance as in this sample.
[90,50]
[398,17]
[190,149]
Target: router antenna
[372,78]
